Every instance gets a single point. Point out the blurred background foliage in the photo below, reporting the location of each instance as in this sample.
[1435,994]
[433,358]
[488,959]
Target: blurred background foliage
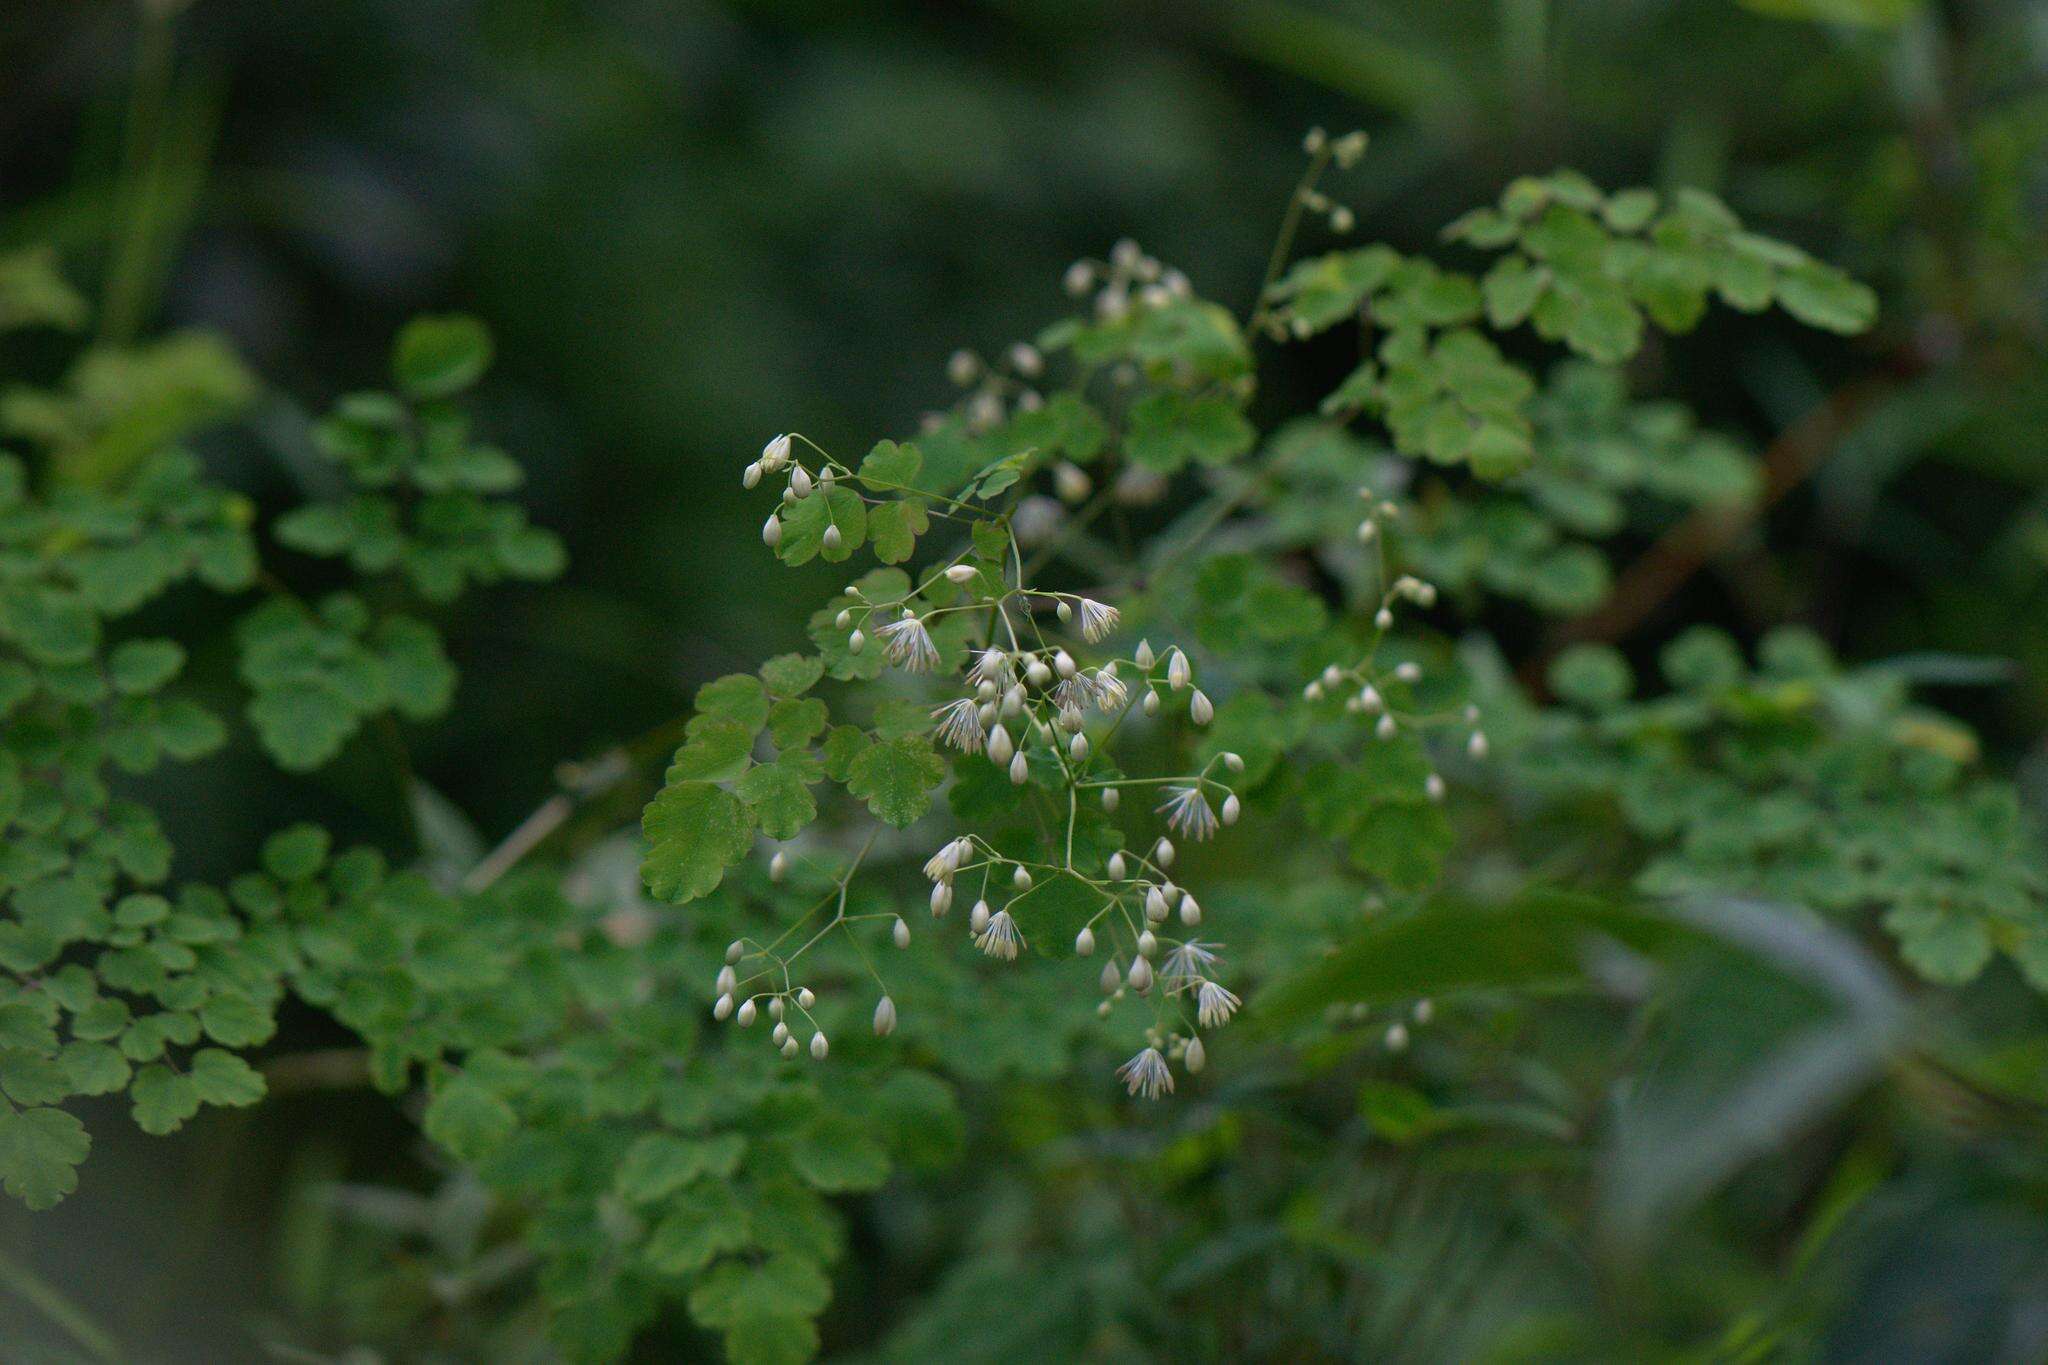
[691,225]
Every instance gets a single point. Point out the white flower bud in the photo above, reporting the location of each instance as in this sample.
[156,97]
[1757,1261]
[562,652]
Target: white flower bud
[961,368]
[1190,911]
[1037,674]
[1144,656]
[1162,852]
[831,540]
[778,866]
[1476,746]
[1079,279]
[942,899]
[1433,786]
[780,1033]
[1020,769]
[751,476]
[1179,672]
[843,619]
[735,950]
[1386,728]
[1332,675]
[747,1014]
[1000,746]
[1231,809]
[961,574]
[1063,664]
[721,1009]
[771,531]
[1233,761]
[799,483]
[1369,700]
[804,997]
[1084,942]
[1312,691]
[1065,611]
[1155,905]
[819,1047]
[726,981]
[1397,1037]
[1013,700]
[1078,748]
[885,1017]
[1408,672]
[1195,1058]
[1141,976]
[977,919]
[1071,482]
[1200,711]
[900,932]
[1424,1011]
[1116,866]
[1021,878]
[789,1047]
[1383,618]
[1151,703]
[1148,943]
[776,1007]
[1111,798]
[1111,978]
[1368,531]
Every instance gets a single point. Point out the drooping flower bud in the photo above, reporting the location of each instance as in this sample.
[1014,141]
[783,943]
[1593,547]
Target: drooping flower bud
[885,1017]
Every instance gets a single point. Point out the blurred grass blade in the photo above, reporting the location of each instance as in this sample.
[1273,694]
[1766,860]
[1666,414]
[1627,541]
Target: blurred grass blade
[1760,1034]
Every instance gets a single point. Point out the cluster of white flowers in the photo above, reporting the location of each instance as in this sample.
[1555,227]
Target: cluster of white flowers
[1368,686]
[1026,701]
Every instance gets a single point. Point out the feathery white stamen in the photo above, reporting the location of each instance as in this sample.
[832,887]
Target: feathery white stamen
[1214,1005]
[1189,961]
[1146,1074]
[1000,939]
[909,645]
[1187,813]
[1098,619]
[959,724]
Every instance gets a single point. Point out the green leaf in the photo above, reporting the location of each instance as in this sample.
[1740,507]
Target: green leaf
[779,794]
[659,1164]
[835,1153]
[225,1079]
[890,467]
[896,778]
[1169,429]
[468,1118]
[771,1339]
[141,666]
[435,357]
[1821,296]
[804,523]
[792,675]
[893,529]
[694,831]
[163,1099]
[704,1220]
[296,853]
[785,1285]
[40,1150]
